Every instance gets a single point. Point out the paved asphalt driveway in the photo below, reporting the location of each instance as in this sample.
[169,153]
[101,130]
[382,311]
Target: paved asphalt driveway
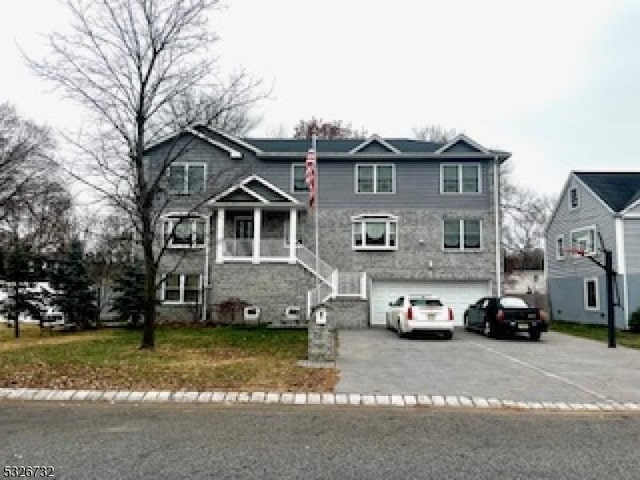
[559,368]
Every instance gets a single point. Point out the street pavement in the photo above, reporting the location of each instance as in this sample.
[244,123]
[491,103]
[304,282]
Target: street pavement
[559,368]
[198,441]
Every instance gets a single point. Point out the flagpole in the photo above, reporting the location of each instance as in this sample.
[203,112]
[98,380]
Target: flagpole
[314,138]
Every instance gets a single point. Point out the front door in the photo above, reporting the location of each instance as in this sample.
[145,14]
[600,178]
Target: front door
[244,237]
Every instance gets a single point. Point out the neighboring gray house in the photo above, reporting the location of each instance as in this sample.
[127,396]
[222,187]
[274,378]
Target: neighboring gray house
[395,216]
[594,204]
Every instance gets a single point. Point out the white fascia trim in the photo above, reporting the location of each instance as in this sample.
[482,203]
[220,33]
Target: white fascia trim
[271,187]
[375,138]
[234,139]
[169,215]
[229,191]
[463,138]
[558,202]
[255,195]
[371,216]
[232,152]
[630,207]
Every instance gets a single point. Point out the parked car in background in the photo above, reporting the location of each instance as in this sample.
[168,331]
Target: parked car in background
[420,313]
[495,316]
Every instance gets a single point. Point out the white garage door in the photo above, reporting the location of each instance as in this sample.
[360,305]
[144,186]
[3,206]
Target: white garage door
[457,295]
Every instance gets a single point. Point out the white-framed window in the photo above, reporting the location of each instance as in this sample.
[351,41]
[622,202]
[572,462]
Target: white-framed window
[584,239]
[181,288]
[591,294]
[375,178]
[298,173]
[188,232]
[374,232]
[187,178]
[560,247]
[574,199]
[460,178]
[462,235]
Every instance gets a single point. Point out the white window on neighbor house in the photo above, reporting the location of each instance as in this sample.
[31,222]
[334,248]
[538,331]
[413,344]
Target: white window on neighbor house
[186,178]
[584,239]
[591,294]
[181,288]
[375,178]
[462,235]
[374,232]
[298,173]
[574,199]
[560,247]
[184,232]
[460,178]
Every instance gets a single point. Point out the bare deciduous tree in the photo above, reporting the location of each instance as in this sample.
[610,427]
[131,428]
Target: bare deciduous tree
[326,129]
[434,133]
[35,206]
[524,214]
[143,68]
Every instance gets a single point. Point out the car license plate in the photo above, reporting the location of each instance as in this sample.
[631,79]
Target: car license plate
[523,326]
[431,316]
[532,315]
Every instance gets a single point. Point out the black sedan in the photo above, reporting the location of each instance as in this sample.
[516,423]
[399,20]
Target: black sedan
[495,316]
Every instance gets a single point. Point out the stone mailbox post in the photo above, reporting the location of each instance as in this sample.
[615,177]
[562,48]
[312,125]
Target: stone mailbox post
[322,335]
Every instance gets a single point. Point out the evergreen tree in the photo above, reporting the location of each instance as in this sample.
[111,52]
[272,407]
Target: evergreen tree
[129,289]
[75,293]
[19,271]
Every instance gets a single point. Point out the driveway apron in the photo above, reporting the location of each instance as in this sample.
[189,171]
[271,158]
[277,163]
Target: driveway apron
[559,368]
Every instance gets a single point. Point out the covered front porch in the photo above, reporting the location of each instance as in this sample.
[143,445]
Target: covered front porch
[257,222]
[257,235]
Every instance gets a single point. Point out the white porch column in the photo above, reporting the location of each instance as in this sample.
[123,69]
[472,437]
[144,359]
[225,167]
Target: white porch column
[257,223]
[220,236]
[293,234]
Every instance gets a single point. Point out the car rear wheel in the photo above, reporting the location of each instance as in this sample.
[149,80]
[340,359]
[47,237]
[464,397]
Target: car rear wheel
[534,335]
[488,329]
[466,323]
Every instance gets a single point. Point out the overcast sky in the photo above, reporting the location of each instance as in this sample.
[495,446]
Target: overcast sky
[555,82]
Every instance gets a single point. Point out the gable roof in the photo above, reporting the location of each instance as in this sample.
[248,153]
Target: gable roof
[254,189]
[462,138]
[339,147]
[374,139]
[616,189]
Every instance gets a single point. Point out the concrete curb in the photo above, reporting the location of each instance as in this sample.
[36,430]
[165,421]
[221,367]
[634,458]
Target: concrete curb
[290,398]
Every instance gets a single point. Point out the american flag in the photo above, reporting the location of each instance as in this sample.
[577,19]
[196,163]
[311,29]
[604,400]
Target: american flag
[310,176]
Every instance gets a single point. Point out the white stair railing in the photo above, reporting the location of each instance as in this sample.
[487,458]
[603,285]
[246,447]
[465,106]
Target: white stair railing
[307,259]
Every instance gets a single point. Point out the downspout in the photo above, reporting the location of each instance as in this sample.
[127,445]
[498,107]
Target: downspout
[496,206]
[205,281]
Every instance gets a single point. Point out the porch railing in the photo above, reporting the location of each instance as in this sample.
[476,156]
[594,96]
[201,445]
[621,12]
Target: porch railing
[308,259]
[243,248]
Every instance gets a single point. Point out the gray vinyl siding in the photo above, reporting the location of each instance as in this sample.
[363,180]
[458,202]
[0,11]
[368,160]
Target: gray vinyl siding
[632,245]
[417,182]
[591,212]
[566,301]
[417,185]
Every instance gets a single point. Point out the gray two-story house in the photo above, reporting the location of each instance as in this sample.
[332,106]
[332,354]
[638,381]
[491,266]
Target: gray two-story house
[395,216]
[595,210]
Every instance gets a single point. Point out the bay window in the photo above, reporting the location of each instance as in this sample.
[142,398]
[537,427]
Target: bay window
[185,232]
